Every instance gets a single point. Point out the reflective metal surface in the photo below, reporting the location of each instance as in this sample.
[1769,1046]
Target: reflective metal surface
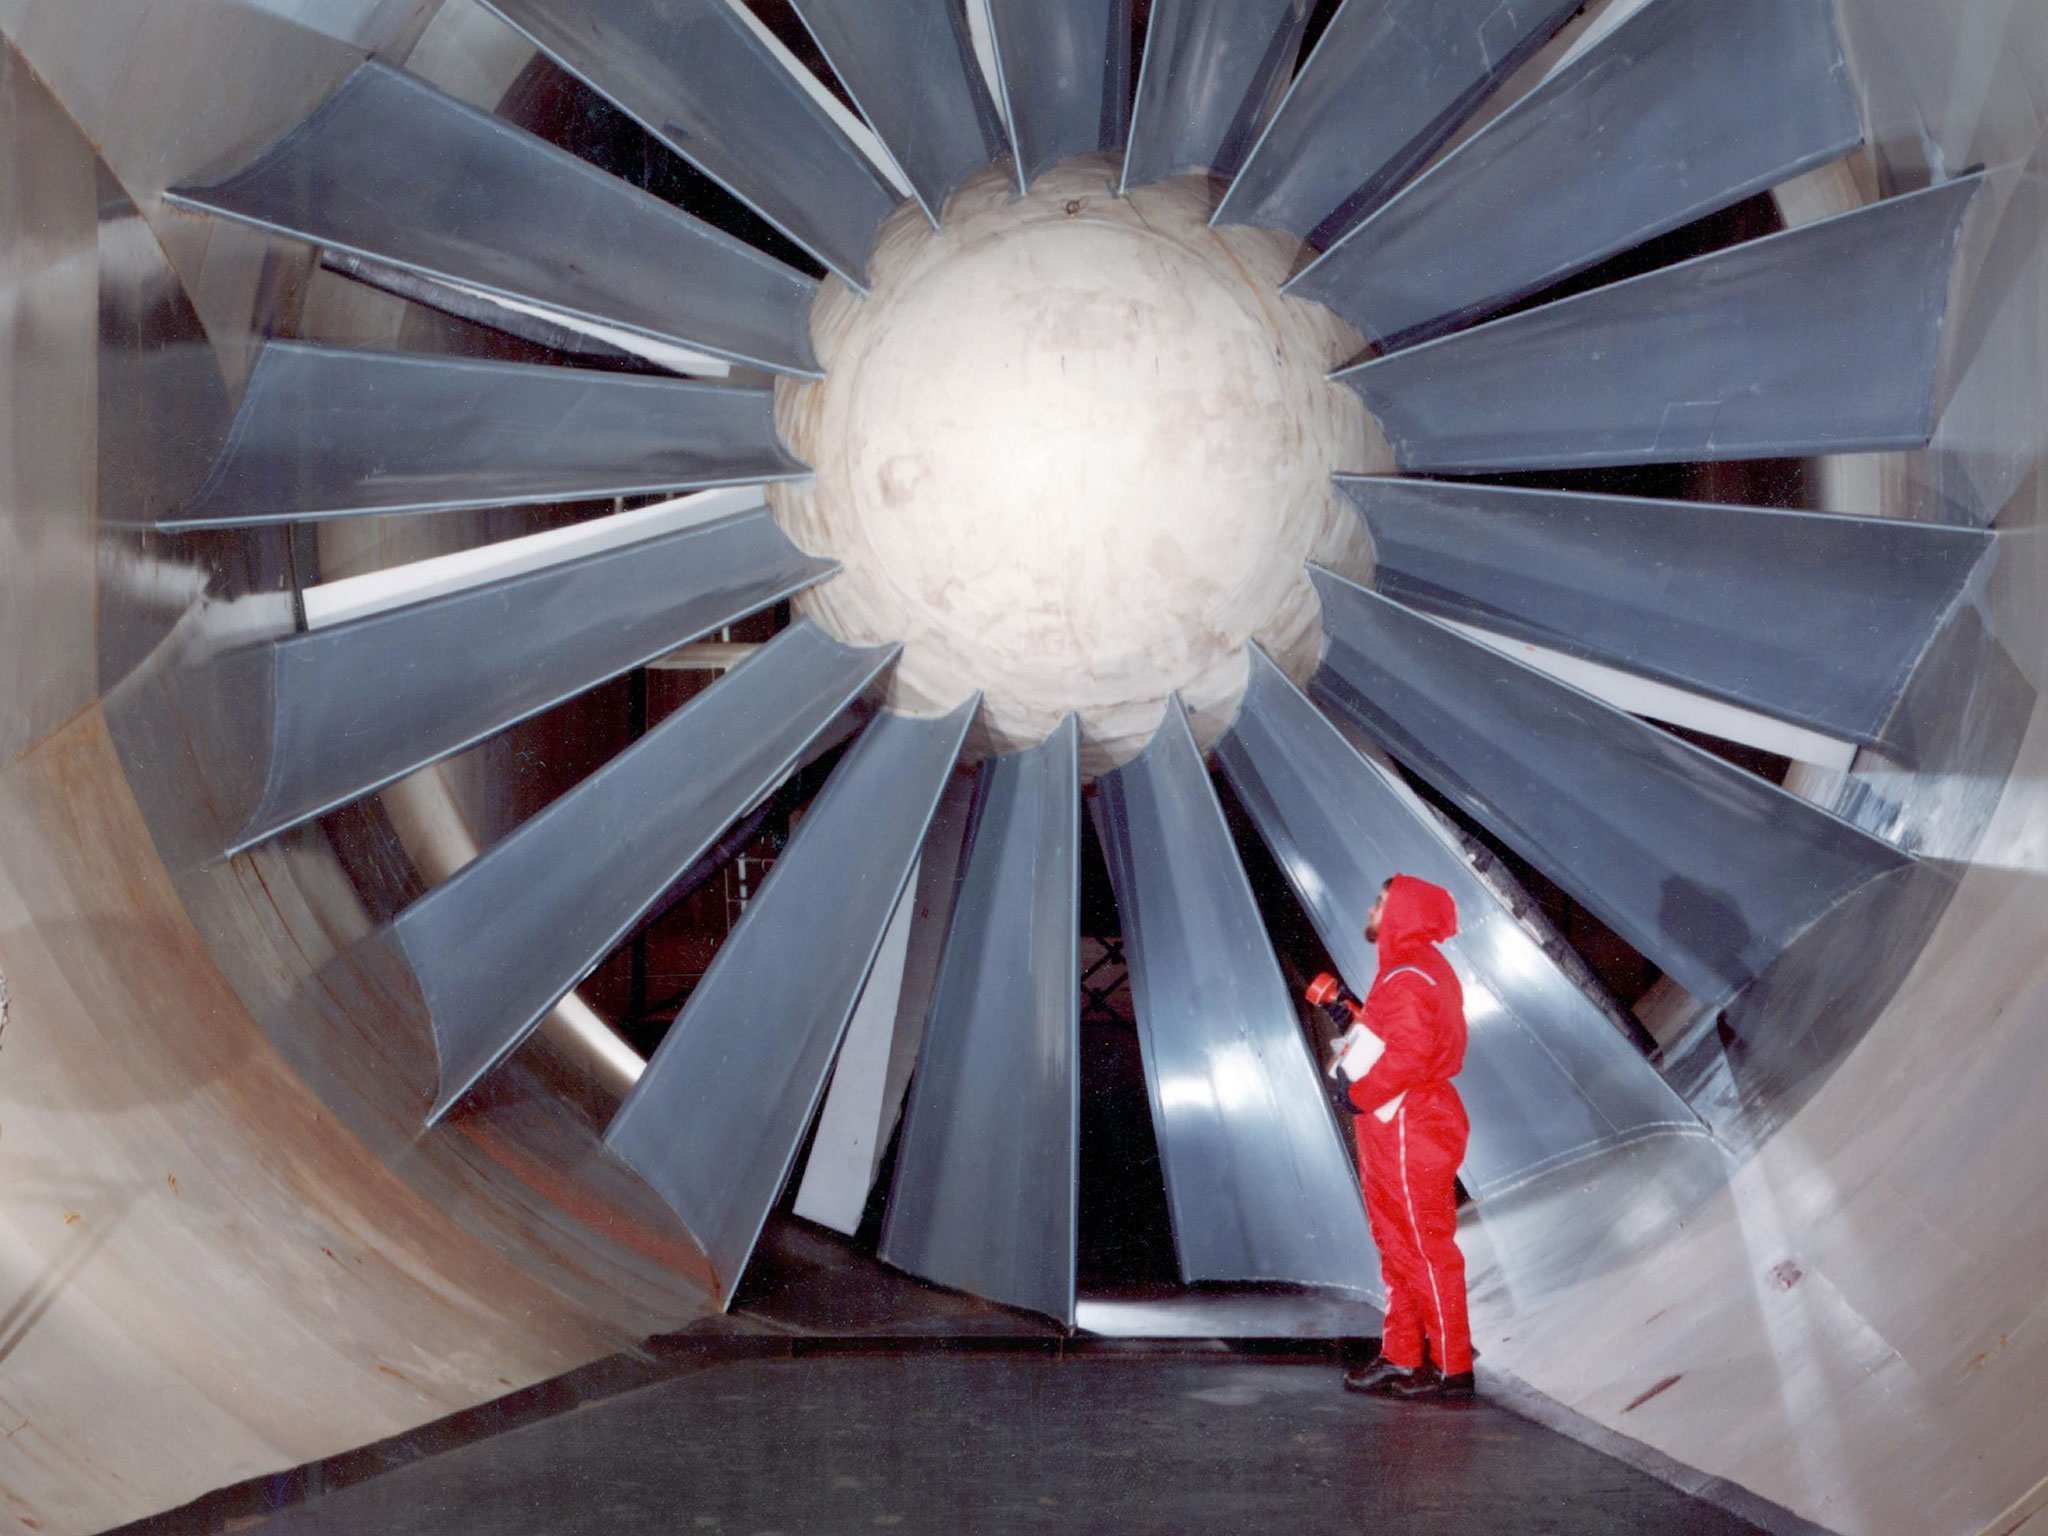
[426,575]
[1257,1180]
[1268,1312]
[325,717]
[326,432]
[1686,107]
[49,336]
[872,1075]
[1823,339]
[1065,67]
[1810,616]
[1212,75]
[395,172]
[694,75]
[1389,81]
[1668,704]
[1708,871]
[1549,1080]
[716,1122]
[498,944]
[243,1157]
[1838,1323]
[986,1182]
[909,66]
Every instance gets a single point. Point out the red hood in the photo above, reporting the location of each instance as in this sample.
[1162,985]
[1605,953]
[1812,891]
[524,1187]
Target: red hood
[1417,915]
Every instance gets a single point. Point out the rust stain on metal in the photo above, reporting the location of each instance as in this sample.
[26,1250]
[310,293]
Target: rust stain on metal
[1663,1386]
[1982,1359]
[576,1200]
[136,981]
[246,862]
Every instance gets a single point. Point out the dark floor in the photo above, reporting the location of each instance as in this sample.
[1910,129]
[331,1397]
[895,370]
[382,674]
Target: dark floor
[962,1444]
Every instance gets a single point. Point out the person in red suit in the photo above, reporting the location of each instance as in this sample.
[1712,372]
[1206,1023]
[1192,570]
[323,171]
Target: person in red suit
[1412,1130]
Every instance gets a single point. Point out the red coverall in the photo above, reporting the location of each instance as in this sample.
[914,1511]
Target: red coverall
[1409,1164]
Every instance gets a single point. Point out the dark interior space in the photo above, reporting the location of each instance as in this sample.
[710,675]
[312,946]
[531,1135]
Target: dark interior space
[1126,1231]
[552,103]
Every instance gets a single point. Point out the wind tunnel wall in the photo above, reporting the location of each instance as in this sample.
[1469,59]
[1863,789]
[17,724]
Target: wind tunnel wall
[222,1249]
[218,1258]
[1853,1326]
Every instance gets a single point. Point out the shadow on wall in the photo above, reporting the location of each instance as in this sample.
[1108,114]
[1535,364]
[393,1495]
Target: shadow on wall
[91,1210]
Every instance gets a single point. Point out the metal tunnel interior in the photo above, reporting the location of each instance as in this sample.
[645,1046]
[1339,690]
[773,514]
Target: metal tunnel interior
[406,608]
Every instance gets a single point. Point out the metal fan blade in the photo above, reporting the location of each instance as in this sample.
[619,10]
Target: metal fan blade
[986,1186]
[1212,75]
[507,936]
[392,171]
[1388,82]
[715,1123]
[1687,107]
[1066,71]
[1811,617]
[329,715]
[909,65]
[1257,1179]
[1823,339]
[872,1075]
[331,432]
[1549,1079]
[1710,872]
[697,77]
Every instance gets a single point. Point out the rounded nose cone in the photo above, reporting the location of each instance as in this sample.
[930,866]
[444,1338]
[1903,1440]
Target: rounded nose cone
[1073,451]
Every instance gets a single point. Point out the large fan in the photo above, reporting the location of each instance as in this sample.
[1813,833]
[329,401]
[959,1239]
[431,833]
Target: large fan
[1447,652]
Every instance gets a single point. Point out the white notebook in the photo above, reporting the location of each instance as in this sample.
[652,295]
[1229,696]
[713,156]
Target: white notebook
[1353,1055]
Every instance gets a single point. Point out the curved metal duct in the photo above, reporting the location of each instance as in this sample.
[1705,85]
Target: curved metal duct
[243,974]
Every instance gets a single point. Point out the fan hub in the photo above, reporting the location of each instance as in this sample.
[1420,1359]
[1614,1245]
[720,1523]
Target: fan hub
[1073,451]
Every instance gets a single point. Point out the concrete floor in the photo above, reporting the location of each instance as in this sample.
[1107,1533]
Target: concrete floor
[950,1442]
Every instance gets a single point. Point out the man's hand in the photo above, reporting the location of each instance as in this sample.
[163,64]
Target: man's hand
[1335,999]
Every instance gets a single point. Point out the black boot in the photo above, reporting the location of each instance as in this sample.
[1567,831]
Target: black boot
[1427,1385]
[1383,1377]
[1355,1354]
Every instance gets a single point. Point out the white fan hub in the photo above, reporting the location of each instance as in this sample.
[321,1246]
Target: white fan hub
[1073,451]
